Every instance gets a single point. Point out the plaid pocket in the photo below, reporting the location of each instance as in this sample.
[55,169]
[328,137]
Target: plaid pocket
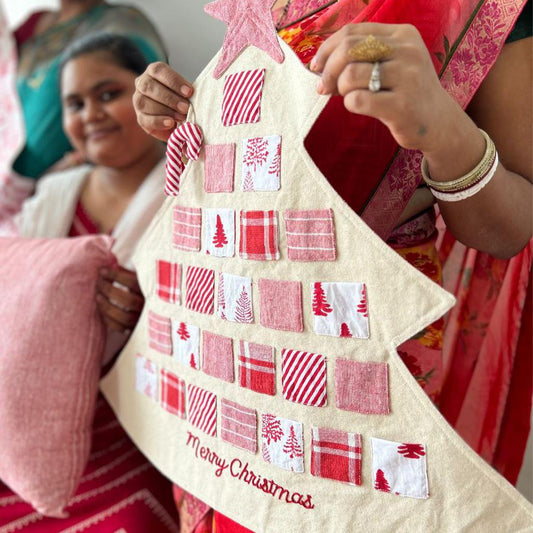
[257,370]
[169,281]
[172,393]
[259,235]
[336,455]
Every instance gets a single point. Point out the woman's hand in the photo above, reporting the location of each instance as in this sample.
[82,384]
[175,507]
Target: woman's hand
[119,298]
[411,101]
[161,99]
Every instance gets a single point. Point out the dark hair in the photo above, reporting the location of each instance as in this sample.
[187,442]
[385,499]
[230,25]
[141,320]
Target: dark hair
[120,49]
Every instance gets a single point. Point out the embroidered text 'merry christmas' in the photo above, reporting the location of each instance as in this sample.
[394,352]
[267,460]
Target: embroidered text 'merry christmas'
[239,470]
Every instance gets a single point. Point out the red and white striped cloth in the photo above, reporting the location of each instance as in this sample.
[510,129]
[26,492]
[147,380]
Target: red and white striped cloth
[303,377]
[202,409]
[187,228]
[336,455]
[238,425]
[200,284]
[169,281]
[186,140]
[241,101]
[310,235]
[159,333]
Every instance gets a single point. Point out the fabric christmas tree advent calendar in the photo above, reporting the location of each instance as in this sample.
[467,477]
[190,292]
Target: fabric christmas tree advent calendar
[263,375]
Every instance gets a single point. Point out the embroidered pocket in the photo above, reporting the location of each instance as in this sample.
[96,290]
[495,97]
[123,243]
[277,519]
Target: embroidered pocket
[219,167]
[217,356]
[282,442]
[235,298]
[280,304]
[202,409]
[220,232]
[400,468]
[259,235]
[172,393]
[200,284]
[256,368]
[261,163]
[340,309]
[169,281]
[303,377]
[146,377]
[310,235]
[187,228]
[186,342]
[159,333]
[241,100]
[362,387]
[238,425]
[336,455]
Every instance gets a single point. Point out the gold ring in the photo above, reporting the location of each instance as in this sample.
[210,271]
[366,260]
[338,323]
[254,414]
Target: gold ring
[370,50]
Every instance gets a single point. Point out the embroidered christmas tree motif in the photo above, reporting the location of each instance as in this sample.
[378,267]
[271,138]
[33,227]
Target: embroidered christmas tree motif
[146,377]
[292,447]
[381,482]
[243,308]
[340,303]
[404,465]
[261,163]
[219,236]
[235,298]
[320,303]
[182,331]
[345,330]
[272,430]
[220,239]
[362,305]
[411,451]
[275,165]
[186,341]
[283,442]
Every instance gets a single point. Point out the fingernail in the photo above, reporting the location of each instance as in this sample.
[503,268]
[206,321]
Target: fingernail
[312,65]
[320,87]
[183,107]
[168,122]
[185,90]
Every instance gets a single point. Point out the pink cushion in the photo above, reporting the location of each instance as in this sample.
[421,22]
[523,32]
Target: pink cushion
[51,345]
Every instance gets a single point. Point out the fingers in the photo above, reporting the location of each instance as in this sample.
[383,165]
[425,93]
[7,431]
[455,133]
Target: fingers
[161,99]
[357,75]
[119,298]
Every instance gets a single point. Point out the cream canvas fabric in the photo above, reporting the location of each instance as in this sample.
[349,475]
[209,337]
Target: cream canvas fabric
[465,494]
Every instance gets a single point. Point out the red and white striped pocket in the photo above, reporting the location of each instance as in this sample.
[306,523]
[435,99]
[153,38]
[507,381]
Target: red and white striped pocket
[187,228]
[241,100]
[169,281]
[303,377]
[159,333]
[172,393]
[238,425]
[202,408]
[200,286]
[310,235]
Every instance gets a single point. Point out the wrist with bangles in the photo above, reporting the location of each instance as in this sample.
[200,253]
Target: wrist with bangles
[469,184]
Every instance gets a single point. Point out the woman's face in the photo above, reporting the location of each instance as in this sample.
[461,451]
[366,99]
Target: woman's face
[98,114]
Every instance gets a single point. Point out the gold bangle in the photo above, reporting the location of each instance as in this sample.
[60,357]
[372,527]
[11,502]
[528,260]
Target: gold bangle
[475,175]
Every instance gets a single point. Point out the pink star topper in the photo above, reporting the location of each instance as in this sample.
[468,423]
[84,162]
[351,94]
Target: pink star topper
[249,23]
